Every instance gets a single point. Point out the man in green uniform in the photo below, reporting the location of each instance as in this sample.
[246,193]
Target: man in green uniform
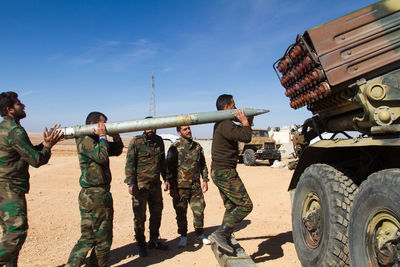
[224,153]
[16,154]
[185,164]
[95,200]
[145,161]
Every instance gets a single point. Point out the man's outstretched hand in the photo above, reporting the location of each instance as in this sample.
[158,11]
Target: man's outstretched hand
[53,137]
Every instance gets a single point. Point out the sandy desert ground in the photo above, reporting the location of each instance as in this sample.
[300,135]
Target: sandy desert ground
[55,223]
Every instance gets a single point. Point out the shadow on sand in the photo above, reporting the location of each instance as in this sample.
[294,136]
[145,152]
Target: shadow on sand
[258,163]
[156,256]
[272,246]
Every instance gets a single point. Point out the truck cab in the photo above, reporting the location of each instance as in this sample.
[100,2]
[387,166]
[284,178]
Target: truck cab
[261,147]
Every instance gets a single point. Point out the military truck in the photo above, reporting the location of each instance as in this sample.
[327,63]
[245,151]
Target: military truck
[261,147]
[346,190]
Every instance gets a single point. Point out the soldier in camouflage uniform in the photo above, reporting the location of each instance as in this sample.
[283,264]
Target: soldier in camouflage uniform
[224,153]
[16,154]
[185,164]
[95,200]
[145,161]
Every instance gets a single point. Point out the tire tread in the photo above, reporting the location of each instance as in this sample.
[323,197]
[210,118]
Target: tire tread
[382,186]
[340,191]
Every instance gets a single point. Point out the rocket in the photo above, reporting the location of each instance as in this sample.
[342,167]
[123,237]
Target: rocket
[159,122]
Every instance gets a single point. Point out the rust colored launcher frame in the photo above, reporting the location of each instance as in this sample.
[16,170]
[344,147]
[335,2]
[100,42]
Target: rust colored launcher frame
[302,75]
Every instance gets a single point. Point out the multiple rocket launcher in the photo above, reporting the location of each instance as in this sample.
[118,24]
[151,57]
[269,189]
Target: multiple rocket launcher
[302,75]
[321,68]
[159,122]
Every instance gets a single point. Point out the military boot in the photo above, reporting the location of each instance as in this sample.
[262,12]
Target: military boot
[142,249]
[10,264]
[157,244]
[222,237]
[13,262]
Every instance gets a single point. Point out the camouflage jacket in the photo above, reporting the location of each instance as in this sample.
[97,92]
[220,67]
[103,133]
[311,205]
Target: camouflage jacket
[94,162]
[145,161]
[17,153]
[185,164]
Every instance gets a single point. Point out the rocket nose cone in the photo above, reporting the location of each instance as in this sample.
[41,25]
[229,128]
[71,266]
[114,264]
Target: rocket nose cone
[262,111]
[255,112]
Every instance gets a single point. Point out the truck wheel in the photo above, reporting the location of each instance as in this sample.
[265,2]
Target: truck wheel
[320,216]
[374,237]
[271,161]
[249,157]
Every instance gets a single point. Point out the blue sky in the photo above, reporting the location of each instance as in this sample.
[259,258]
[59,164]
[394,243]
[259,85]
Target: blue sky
[67,58]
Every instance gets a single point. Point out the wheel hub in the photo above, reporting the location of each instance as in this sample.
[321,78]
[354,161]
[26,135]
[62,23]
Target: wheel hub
[383,239]
[311,217]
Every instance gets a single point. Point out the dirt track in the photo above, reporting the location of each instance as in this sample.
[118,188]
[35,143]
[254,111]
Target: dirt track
[55,223]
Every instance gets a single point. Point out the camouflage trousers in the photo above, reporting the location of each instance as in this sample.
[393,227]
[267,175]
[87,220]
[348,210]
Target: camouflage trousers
[194,197]
[14,223]
[153,197]
[234,195]
[96,209]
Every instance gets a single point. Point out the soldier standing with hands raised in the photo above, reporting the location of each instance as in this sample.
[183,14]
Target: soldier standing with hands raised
[16,154]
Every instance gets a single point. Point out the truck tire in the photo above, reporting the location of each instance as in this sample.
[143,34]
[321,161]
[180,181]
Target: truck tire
[249,157]
[320,216]
[374,219]
[271,161]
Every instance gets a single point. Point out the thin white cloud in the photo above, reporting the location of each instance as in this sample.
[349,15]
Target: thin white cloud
[168,69]
[117,56]
[25,92]
[140,42]
[54,57]
[103,45]
[82,61]
[142,53]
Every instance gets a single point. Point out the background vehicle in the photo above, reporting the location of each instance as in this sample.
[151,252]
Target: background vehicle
[261,147]
[346,201]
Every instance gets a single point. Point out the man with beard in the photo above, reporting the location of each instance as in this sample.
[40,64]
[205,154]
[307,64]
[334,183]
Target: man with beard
[185,164]
[145,161]
[16,154]
[224,154]
[95,199]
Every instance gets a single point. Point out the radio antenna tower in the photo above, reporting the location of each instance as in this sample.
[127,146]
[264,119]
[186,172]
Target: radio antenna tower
[152,110]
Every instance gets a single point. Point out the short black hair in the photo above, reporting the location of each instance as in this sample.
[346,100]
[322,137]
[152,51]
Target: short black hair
[7,100]
[178,128]
[223,100]
[94,117]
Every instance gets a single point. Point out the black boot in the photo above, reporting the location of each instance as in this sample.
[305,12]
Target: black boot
[10,264]
[157,244]
[13,262]
[142,249]
[222,237]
